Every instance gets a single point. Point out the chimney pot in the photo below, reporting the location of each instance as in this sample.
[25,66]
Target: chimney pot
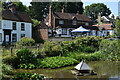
[77,13]
[63,10]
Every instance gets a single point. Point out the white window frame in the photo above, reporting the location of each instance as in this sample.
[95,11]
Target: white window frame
[14,38]
[74,22]
[22,27]
[61,21]
[22,35]
[87,24]
[14,26]
[64,31]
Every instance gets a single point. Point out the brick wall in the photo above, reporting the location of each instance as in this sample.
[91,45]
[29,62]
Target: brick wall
[44,34]
[39,34]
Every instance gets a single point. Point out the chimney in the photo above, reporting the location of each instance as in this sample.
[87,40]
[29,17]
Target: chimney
[63,9]
[99,18]
[12,7]
[113,17]
[77,13]
[50,17]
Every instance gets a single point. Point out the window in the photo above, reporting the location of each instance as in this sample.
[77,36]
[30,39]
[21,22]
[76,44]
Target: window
[14,37]
[0,25]
[22,27]
[74,22]
[22,35]
[86,24]
[61,22]
[64,31]
[0,37]
[14,25]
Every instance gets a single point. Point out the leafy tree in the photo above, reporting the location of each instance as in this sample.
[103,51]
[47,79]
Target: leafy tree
[39,10]
[117,27]
[94,9]
[35,22]
[19,6]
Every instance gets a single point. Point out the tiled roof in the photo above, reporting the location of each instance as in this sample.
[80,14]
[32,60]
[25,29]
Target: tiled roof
[17,16]
[105,26]
[69,16]
[42,25]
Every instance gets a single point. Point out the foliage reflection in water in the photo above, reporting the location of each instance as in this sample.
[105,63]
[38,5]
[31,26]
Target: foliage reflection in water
[104,69]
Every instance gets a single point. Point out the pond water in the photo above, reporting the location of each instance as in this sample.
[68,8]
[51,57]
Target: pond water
[106,70]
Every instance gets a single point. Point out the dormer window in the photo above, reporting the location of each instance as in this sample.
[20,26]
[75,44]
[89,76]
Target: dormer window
[61,22]
[74,22]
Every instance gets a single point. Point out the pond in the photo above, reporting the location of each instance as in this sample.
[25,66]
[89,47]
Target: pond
[106,70]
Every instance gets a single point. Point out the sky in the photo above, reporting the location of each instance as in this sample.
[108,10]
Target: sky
[112,4]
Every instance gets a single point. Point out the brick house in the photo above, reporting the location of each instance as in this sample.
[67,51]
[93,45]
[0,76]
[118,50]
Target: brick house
[40,32]
[62,23]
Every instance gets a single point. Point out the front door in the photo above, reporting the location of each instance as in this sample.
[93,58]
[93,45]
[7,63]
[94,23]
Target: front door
[7,38]
[7,35]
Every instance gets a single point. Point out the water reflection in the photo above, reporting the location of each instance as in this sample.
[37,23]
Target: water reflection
[106,70]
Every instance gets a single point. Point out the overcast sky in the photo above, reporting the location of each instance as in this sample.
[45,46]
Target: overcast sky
[112,4]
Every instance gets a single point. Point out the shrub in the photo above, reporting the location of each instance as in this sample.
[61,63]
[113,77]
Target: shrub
[56,62]
[25,41]
[27,66]
[52,48]
[38,53]
[56,50]
[25,56]
[28,76]
[86,56]
[88,41]
[12,60]
[67,46]
[111,49]
[6,69]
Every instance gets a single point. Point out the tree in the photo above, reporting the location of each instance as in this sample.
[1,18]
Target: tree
[35,22]
[117,27]
[19,6]
[94,9]
[39,10]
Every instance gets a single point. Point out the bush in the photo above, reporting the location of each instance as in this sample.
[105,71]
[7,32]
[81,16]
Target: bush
[56,62]
[25,56]
[28,76]
[86,56]
[38,53]
[27,66]
[6,69]
[52,48]
[25,41]
[67,46]
[88,41]
[12,60]
[111,49]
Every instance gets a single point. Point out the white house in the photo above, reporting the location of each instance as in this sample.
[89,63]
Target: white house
[104,30]
[14,25]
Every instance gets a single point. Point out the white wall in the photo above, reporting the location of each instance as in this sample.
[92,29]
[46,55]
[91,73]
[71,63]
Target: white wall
[7,24]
